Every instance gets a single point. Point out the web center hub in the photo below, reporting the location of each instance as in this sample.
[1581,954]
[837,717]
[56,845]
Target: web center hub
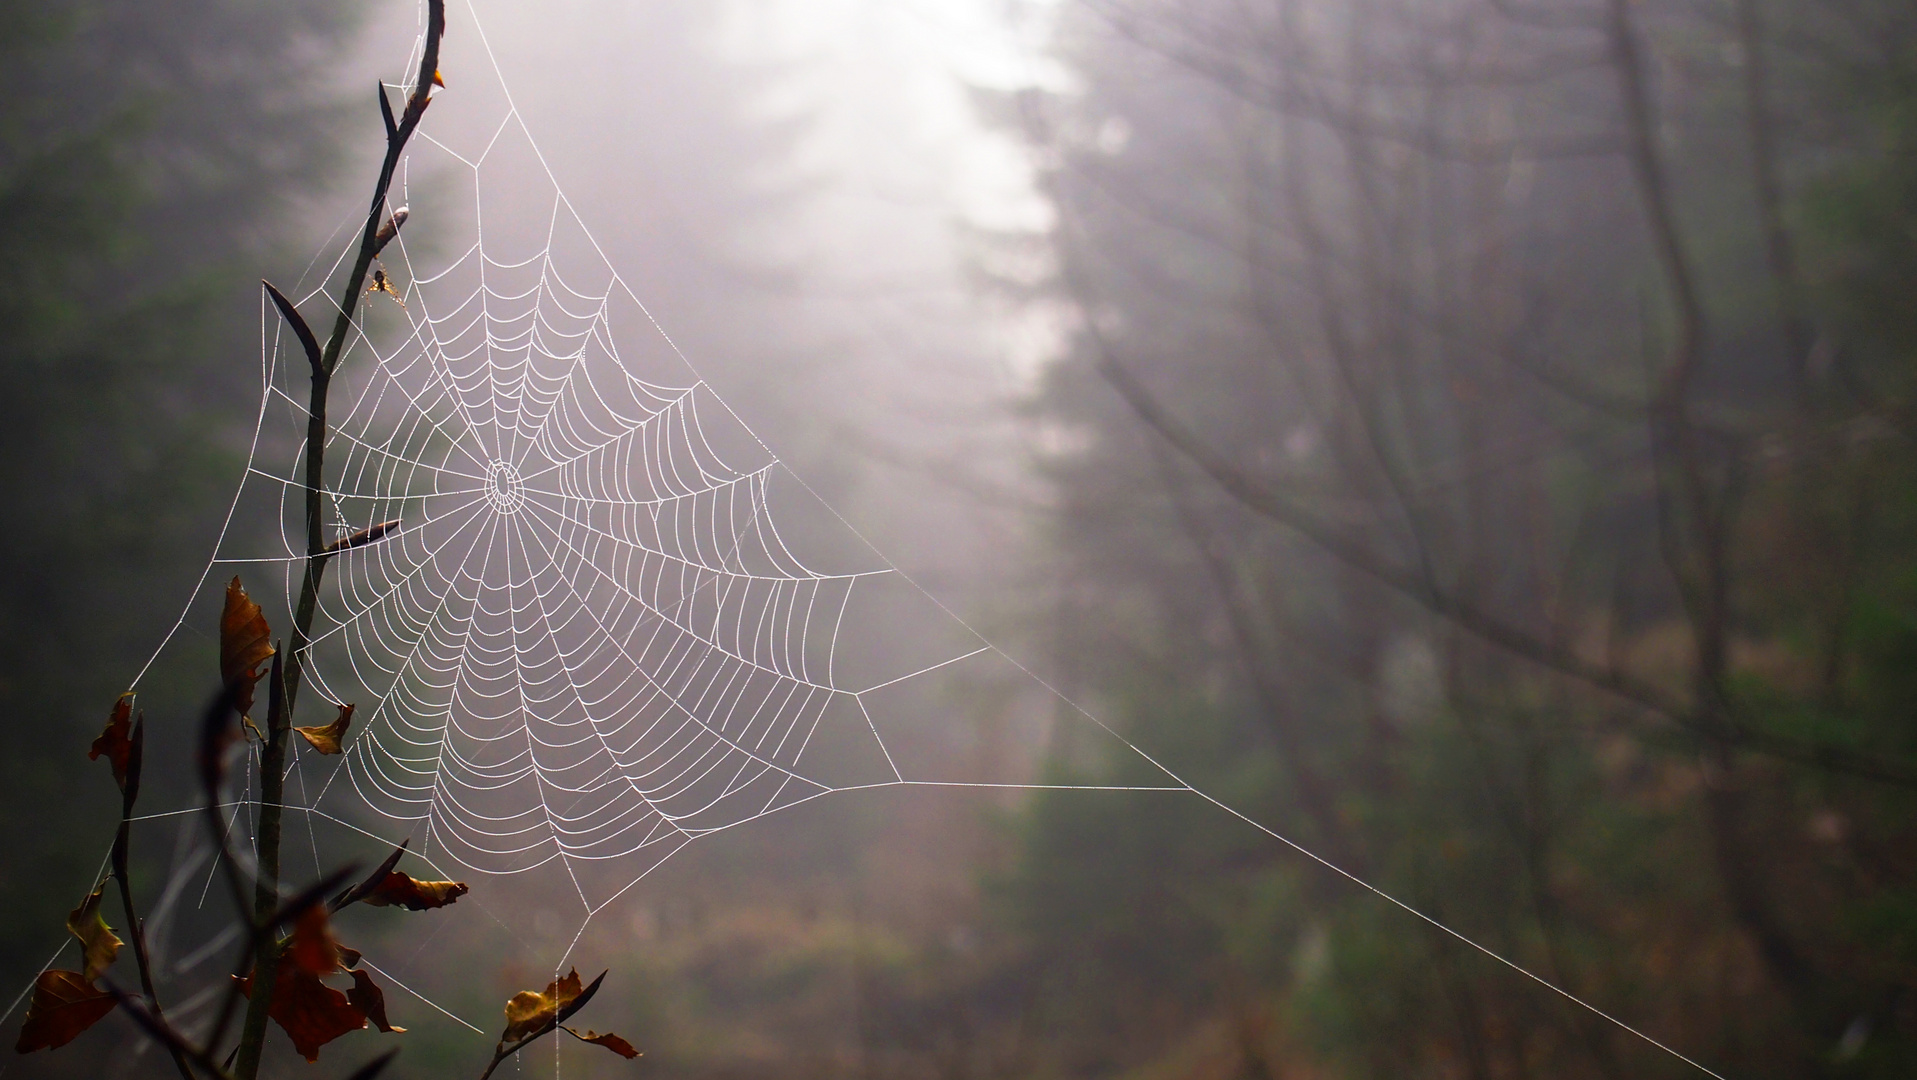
[504,488]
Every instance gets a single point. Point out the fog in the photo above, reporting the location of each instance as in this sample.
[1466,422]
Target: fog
[986,538]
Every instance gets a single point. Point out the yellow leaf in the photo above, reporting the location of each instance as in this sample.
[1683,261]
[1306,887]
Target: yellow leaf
[403,890]
[326,739]
[97,939]
[528,1012]
[245,644]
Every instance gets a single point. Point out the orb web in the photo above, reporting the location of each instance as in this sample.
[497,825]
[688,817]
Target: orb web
[607,620]
[588,639]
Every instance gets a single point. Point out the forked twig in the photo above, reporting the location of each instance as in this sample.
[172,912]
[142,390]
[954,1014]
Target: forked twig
[322,361]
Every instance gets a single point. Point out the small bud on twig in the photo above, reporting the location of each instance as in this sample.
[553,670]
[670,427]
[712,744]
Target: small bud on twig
[389,230]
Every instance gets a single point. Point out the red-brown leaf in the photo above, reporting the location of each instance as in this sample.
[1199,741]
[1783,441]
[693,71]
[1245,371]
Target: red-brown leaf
[610,1041]
[310,1012]
[245,644]
[116,741]
[311,947]
[368,998]
[65,1003]
[397,889]
[327,739]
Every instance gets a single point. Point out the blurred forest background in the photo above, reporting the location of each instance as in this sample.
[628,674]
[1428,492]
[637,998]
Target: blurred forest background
[1473,437]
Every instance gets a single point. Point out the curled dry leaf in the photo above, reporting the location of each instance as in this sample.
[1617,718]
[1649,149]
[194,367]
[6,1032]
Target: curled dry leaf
[528,1012]
[398,889]
[311,947]
[65,1003]
[97,939]
[244,645]
[327,739]
[116,742]
[610,1041]
[367,997]
[310,1012]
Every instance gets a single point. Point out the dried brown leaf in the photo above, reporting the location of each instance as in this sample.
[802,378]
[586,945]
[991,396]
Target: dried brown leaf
[368,998]
[65,1003]
[245,644]
[327,739]
[311,947]
[97,939]
[116,742]
[610,1041]
[398,889]
[310,1012]
[528,1012]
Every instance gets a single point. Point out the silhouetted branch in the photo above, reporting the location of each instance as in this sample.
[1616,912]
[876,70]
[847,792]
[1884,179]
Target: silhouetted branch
[362,537]
[122,842]
[298,322]
[286,687]
[179,1045]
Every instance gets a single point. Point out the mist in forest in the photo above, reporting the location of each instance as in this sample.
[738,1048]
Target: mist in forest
[1468,441]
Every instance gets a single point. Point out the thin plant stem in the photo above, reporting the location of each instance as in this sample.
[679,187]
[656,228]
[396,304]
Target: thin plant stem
[318,551]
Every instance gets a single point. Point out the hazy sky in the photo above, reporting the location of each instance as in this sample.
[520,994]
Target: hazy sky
[893,186]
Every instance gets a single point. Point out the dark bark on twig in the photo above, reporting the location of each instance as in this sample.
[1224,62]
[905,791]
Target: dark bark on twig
[122,841]
[279,722]
[1769,189]
[1314,794]
[164,1033]
[1696,519]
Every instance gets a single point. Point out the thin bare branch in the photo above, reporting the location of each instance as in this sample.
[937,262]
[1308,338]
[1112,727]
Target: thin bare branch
[362,537]
[286,687]
[164,1032]
[300,330]
[386,114]
[122,843]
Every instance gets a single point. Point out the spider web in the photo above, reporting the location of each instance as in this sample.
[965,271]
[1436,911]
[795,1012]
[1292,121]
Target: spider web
[610,620]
